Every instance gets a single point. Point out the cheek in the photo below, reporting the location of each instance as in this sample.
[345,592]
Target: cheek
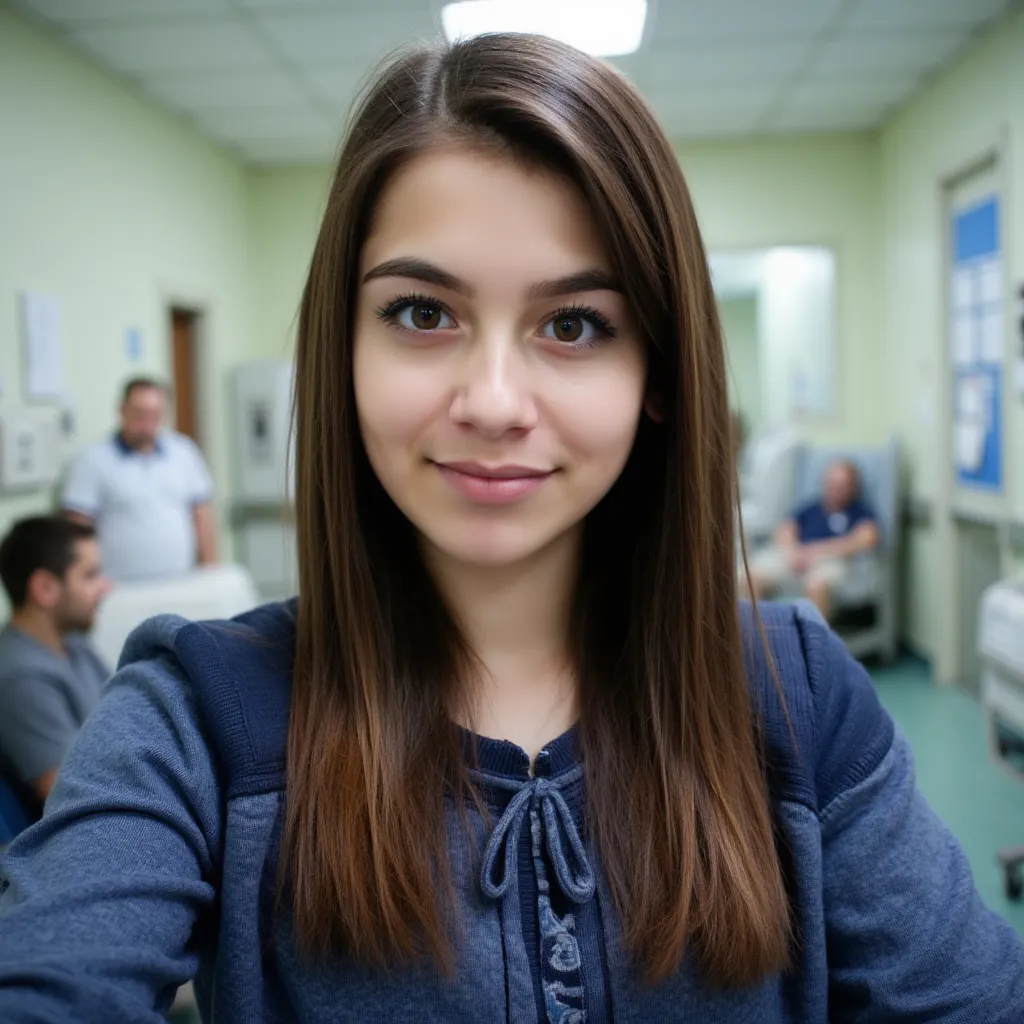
[599,419]
[396,399]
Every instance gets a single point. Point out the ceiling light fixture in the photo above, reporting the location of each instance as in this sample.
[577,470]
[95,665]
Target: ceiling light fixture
[605,28]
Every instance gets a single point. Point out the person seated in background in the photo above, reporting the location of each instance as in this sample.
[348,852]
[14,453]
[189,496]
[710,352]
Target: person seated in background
[50,678]
[814,548]
[147,490]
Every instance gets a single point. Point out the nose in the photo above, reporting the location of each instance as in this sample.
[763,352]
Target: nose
[493,395]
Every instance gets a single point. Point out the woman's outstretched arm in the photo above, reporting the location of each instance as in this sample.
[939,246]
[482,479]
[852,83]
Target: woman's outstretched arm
[99,900]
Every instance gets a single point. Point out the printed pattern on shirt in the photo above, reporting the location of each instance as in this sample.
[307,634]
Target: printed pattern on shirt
[561,974]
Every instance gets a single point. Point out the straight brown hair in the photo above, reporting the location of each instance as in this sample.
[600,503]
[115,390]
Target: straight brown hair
[677,801]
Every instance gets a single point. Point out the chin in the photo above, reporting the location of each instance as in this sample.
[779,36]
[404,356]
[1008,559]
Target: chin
[493,548]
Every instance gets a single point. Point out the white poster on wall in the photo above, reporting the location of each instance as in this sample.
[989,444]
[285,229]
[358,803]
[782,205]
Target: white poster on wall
[41,338]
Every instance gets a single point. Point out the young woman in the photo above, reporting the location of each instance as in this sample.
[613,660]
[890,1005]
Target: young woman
[516,753]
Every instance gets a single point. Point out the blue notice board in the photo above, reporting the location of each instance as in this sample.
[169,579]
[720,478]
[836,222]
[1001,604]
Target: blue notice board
[977,333]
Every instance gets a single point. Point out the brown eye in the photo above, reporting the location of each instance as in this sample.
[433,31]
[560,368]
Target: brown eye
[426,317]
[568,328]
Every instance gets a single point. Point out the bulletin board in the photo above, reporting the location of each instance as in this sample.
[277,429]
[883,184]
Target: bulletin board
[977,334]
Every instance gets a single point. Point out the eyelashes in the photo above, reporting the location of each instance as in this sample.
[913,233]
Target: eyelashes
[418,313]
[391,310]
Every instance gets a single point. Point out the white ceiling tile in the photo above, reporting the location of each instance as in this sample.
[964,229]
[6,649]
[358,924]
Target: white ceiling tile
[820,121]
[712,101]
[265,154]
[689,127]
[245,126]
[335,86]
[292,7]
[274,78]
[343,37]
[860,90]
[738,63]
[685,20]
[84,12]
[886,53]
[860,109]
[267,88]
[868,15]
[175,47]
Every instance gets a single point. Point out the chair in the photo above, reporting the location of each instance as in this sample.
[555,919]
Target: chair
[209,592]
[767,482]
[880,481]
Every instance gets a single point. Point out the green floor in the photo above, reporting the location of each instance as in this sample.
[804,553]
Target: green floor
[981,804]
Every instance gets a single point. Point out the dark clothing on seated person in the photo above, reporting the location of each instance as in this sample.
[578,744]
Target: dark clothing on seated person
[814,523]
[44,701]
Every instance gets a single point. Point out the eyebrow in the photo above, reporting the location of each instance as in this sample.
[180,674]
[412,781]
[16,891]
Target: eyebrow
[429,273]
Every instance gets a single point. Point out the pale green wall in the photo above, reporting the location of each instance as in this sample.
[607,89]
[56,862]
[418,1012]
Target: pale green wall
[285,207]
[976,105]
[739,325]
[115,208]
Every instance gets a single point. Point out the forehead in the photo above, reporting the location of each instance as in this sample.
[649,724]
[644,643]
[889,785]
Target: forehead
[145,397]
[86,552]
[481,215]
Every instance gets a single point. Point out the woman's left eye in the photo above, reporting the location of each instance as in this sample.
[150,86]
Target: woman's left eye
[578,328]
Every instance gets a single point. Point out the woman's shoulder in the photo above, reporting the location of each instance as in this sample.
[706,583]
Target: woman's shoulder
[238,674]
[824,727]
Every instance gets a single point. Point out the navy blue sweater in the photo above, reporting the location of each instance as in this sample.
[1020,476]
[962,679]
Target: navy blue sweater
[156,860]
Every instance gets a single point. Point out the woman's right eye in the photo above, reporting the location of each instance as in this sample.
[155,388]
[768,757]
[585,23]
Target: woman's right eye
[418,315]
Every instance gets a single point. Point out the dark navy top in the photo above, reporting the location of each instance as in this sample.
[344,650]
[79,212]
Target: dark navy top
[538,837]
[814,522]
[173,799]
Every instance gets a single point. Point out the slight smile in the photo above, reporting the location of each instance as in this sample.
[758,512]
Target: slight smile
[493,485]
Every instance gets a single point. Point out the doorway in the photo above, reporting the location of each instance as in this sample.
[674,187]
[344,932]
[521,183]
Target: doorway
[184,366]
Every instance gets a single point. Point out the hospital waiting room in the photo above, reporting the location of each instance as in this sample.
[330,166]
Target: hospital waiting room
[512,510]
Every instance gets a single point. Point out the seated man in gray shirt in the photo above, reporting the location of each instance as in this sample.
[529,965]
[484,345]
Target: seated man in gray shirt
[50,678]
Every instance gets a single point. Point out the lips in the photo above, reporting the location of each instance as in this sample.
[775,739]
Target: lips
[495,472]
[493,485]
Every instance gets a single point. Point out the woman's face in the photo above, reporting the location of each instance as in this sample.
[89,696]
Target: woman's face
[499,375]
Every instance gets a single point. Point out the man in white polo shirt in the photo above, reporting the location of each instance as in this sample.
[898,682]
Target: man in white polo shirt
[148,492]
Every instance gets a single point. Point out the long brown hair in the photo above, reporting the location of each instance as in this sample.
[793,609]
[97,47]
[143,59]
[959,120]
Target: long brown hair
[677,801]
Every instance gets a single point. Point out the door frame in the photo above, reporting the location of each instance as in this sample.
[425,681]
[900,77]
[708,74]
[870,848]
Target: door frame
[172,297]
[948,656]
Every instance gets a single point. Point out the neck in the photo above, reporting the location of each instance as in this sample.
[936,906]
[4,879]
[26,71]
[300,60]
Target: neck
[516,621]
[39,624]
[143,446]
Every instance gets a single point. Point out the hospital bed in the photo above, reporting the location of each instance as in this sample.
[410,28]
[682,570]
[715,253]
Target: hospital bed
[1001,646]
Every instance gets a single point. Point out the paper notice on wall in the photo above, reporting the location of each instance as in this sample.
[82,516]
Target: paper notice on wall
[963,339]
[970,445]
[991,336]
[40,319]
[990,282]
[973,422]
[963,288]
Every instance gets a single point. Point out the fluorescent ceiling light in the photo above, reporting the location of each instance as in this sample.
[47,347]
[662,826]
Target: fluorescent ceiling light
[604,28]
